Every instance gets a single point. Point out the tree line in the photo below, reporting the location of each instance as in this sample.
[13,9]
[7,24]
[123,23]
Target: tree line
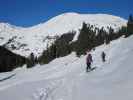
[89,38]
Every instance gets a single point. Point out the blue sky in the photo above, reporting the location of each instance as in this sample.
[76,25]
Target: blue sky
[31,12]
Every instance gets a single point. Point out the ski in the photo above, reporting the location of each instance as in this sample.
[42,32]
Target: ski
[92,69]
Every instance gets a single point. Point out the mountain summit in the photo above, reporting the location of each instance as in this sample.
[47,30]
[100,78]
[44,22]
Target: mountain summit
[34,39]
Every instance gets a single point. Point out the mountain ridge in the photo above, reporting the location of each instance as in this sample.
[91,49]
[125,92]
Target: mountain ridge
[28,40]
[67,13]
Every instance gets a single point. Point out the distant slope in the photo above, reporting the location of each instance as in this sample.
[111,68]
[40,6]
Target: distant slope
[34,39]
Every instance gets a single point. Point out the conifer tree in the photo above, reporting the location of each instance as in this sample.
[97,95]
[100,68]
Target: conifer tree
[130,25]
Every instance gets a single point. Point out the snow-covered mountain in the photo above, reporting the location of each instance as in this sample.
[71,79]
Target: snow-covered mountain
[66,79]
[35,39]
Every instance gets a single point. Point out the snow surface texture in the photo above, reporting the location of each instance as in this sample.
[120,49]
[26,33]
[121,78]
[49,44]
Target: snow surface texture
[66,79]
[34,39]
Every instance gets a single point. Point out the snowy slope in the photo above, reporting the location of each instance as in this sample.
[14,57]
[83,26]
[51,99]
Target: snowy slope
[34,39]
[65,78]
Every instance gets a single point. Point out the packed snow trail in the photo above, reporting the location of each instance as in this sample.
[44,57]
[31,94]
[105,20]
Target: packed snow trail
[65,78]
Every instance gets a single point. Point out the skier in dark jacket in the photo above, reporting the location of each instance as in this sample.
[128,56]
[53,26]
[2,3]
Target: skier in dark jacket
[103,56]
[88,62]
